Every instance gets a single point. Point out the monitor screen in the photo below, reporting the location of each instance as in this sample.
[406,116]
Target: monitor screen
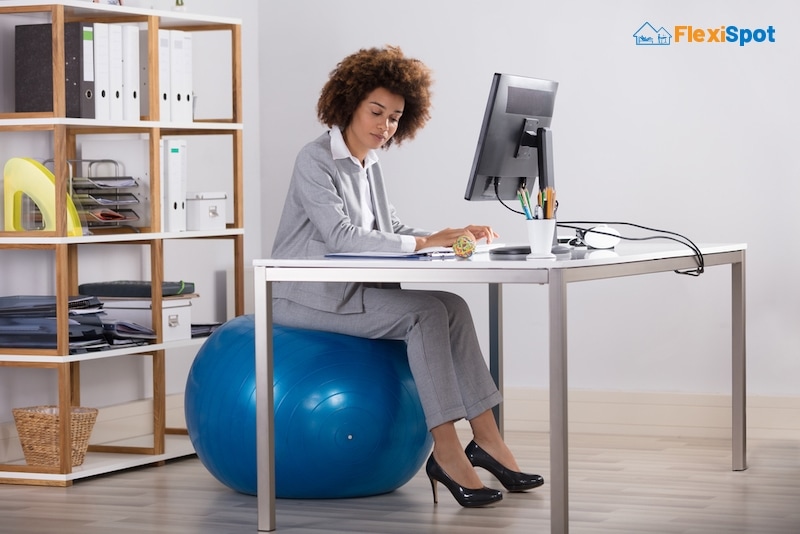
[515,142]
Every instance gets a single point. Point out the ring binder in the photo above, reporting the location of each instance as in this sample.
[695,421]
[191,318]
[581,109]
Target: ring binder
[33,68]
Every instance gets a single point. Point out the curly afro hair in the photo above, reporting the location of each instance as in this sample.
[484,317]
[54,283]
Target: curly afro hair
[359,74]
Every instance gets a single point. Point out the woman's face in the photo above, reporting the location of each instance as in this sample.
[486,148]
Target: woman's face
[374,122]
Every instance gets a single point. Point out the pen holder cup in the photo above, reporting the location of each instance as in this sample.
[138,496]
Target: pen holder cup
[540,237]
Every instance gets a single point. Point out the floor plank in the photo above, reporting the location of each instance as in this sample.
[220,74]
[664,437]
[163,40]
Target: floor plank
[618,484]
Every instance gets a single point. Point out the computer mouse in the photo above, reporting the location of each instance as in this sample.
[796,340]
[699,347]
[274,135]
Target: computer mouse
[601,237]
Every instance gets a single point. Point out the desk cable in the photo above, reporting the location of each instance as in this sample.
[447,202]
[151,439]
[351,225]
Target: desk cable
[497,196]
[664,234]
[673,236]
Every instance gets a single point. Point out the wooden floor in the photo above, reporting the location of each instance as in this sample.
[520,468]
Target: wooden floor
[617,485]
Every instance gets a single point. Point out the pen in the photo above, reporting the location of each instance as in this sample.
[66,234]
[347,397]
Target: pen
[551,203]
[528,201]
[546,200]
[525,206]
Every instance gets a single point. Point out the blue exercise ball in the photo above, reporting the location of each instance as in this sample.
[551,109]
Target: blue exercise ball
[348,420]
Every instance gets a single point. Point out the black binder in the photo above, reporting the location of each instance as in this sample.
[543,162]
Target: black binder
[133,289]
[33,68]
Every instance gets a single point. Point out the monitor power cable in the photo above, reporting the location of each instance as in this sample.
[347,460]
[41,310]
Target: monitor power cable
[497,196]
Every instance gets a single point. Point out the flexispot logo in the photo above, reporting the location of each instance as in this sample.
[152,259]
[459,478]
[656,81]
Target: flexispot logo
[648,35]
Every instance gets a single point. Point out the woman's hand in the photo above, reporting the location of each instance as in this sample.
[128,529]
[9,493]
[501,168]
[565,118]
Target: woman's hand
[482,232]
[448,236]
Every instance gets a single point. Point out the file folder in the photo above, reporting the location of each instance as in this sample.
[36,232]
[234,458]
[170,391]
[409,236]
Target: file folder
[165,94]
[85,333]
[115,71]
[180,48]
[144,75]
[102,80]
[130,72]
[33,69]
[173,185]
[164,61]
[79,69]
[188,87]
[45,305]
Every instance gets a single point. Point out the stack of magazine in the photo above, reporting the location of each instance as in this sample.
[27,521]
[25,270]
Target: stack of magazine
[29,321]
[120,332]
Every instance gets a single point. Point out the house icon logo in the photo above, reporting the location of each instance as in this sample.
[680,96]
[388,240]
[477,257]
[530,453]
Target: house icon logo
[647,35]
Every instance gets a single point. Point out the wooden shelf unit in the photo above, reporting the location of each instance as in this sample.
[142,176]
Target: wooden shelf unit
[64,133]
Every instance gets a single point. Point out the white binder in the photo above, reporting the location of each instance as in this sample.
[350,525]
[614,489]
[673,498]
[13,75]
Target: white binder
[115,71]
[144,75]
[130,72]
[173,184]
[164,62]
[187,110]
[180,58]
[102,100]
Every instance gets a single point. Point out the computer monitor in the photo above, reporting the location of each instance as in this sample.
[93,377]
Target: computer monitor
[515,141]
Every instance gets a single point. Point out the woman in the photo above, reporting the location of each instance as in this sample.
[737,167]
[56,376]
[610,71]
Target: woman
[337,202]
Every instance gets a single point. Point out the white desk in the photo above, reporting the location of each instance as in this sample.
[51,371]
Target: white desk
[627,260]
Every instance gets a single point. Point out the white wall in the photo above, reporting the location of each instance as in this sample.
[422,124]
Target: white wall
[693,138]
[697,139]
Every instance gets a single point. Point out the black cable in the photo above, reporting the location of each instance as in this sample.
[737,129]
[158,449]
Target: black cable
[497,195]
[683,240]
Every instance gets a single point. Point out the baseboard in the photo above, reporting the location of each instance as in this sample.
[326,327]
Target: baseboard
[654,414]
[114,423]
[526,409]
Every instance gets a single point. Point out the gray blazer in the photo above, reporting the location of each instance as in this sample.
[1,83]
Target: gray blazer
[318,218]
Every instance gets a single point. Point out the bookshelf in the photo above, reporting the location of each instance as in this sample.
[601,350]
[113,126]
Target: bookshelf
[64,135]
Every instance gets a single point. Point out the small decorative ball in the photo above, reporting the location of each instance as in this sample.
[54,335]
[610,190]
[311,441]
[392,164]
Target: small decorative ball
[464,247]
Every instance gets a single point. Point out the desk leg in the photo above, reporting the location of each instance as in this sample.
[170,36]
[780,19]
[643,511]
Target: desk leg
[559,432]
[496,346]
[265,451]
[738,361]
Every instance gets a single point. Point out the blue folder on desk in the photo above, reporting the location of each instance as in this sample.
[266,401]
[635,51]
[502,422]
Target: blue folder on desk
[418,255]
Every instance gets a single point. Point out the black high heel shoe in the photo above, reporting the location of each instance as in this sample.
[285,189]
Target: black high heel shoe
[466,497]
[511,480]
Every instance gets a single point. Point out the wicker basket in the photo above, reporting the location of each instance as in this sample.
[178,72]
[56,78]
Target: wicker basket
[37,427]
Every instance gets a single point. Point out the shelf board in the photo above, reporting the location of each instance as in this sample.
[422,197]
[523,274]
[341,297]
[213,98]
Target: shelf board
[82,8]
[9,120]
[101,354]
[98,463]
[29,240]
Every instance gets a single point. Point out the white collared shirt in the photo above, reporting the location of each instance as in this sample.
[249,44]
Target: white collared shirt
[339,150]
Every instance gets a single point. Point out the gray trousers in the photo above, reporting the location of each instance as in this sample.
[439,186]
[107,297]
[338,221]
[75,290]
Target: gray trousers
[446,362]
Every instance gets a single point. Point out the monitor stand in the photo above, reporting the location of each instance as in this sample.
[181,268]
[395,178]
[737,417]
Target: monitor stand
[510,253]
[522,252]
